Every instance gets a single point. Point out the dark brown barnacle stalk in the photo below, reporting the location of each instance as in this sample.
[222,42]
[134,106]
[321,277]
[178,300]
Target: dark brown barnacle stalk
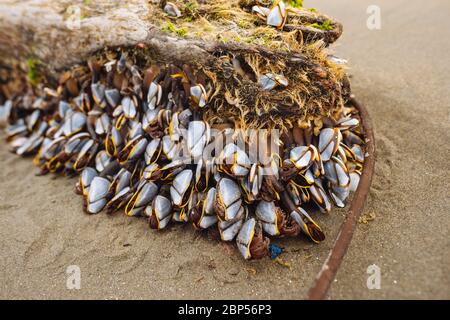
[259,248]
[271,188]
[195,215]
[286,225]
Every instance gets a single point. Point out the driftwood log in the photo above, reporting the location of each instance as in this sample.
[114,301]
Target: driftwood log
[61,34]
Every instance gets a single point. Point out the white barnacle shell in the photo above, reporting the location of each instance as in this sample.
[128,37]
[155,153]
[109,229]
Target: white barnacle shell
[277,15]
[329,140]
[102,160]
[358,153]
[269,81]
[63,108]
[229,194]
[170,148]
[122,180]
[320,198]
[138,148]
[245,237]
[112,97]
[33,119]
[229,229]
[161,207]
[180,186]
[103,124]
[152,151]
[266,212]
[5,112]
[154,95]
[86,178]
[198,137]
[198,94]
[98,93]
[74,123]
[336,172]
[261,11]
[355,176]
[307,224]
[98,191]
[172,10]
[75,144]
[145,193]
[208,218]
[129,108]
[337,60]
[302,157]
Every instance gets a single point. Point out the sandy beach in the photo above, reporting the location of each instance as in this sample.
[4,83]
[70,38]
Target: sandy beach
[400,72]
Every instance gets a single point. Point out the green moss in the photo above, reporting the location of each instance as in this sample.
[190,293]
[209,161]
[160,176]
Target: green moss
[326,26]
[181,32]
[170,27]
[191,10]
[223,39]
[210,21]
[295,3]
[312,10]
[33,71]
[244,24]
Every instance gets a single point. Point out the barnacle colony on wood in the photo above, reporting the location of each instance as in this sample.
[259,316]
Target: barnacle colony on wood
[242,144]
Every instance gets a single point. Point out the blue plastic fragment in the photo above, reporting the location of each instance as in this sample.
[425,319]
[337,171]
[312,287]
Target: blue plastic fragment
[274,251]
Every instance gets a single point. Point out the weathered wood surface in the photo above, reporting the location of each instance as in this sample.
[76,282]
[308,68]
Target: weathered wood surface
[51,33]
[48,30]
[58,35]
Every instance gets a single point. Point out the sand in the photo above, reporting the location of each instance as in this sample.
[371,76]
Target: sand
[400,72]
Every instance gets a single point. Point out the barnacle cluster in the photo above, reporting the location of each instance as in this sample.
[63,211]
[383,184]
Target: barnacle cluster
[175,143]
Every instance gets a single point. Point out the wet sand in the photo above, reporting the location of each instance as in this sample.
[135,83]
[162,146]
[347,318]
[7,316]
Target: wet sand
[400,72]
